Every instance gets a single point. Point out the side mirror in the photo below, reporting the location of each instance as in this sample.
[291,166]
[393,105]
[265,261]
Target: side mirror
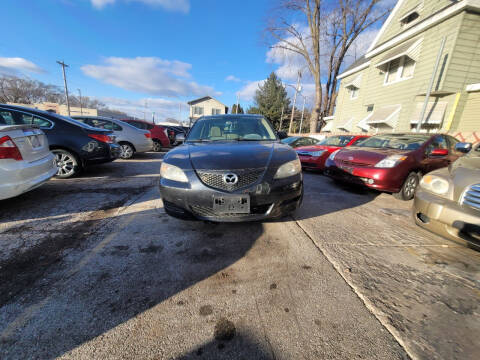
[180,138]
[438,152]
[463,147]
[282,135]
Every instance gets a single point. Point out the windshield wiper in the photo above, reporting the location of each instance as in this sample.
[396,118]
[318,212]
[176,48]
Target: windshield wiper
[199,140]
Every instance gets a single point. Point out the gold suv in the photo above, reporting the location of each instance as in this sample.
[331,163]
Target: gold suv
[447,201]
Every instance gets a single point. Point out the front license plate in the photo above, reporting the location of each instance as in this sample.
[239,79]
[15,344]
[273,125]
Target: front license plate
[231,204]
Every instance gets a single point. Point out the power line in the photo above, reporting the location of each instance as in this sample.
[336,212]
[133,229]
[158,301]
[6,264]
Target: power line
[63,65]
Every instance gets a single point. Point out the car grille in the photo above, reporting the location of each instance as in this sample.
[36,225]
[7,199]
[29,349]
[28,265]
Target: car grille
[472,197]
[214,179]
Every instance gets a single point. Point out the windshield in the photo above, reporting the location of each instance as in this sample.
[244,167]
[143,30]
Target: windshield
[400,142]
[336,141]
[232,128]
[289,140]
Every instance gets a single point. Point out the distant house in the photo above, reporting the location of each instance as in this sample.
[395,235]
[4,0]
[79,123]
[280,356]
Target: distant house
[206,106]
[385,91]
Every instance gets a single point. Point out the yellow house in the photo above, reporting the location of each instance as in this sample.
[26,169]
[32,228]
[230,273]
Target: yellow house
[386,90]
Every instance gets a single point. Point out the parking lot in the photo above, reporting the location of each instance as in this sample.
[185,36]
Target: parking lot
[92,267]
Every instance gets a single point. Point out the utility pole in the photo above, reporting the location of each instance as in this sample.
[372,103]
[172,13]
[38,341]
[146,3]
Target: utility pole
[297,89]
[303,112]
[430,87]
[63,65]
[281,118]
[80,96]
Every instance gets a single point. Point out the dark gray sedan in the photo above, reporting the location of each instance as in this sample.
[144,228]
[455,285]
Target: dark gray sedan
[231,168]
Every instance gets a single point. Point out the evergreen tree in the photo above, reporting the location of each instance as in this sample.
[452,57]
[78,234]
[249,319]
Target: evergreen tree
[240,109]
[269,100]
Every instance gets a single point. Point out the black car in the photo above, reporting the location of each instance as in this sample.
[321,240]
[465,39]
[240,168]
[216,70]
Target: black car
[231,168]
[297,141]
[75,144]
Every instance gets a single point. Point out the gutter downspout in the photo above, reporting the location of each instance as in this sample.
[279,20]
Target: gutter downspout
[430,87]
[449,123]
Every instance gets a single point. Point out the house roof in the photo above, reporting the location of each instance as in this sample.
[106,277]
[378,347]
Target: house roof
[360,61]
[358,65]
[205,98]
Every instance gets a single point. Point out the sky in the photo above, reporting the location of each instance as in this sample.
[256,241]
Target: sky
[162,53]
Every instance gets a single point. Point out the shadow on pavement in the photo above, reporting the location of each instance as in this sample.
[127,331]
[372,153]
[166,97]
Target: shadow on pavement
[243,346]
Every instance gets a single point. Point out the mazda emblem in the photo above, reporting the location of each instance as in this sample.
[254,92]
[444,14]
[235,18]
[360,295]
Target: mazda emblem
[230,179]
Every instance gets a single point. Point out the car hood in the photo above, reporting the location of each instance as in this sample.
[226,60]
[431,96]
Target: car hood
[367,156]
[463,173]
[317,148]
[230,155]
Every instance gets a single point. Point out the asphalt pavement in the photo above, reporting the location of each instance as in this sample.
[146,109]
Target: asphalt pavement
[93,268]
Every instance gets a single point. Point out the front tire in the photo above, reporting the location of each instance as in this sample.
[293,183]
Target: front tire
[126,151]
[67,164]
[409,187]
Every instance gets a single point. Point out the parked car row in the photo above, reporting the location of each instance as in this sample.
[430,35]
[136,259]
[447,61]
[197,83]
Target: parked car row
[36,145]
[430,168]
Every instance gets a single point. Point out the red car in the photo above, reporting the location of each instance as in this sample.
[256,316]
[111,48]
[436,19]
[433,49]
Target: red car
[393,163]
[159,136]
[314,157]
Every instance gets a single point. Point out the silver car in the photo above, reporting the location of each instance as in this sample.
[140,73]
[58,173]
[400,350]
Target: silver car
[130,138]
[25,159]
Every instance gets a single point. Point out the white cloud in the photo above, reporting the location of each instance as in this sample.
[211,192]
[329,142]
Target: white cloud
[163,108]
[232,78]
[247,92]
[170,5]
[148,75]
[13,65]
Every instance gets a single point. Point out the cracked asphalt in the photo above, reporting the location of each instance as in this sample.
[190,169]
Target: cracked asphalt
[93,268]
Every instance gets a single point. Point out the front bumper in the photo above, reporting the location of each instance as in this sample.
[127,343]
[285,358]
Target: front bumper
[447,218]
[381,179]
[314,162]
[194,200]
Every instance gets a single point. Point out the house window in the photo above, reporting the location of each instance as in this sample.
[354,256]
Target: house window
[400,69]
[215,111]
[370,107]
[354,92]
[197,110]
[410,18]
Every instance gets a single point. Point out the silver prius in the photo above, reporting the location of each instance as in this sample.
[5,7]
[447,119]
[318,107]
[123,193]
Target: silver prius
[131,139]
[25,159]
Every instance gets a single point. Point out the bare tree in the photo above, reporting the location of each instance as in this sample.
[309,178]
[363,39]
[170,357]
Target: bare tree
[322,32]
[27,91]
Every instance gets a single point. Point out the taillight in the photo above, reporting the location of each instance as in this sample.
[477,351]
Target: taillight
[102,138]
[148,135]
[8,149]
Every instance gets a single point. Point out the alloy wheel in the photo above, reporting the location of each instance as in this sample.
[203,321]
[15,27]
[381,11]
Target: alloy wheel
[66,164]
[126,151]
[410,187]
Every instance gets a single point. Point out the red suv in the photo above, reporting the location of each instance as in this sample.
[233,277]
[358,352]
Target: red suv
[159,136]
[392,163]
[314,157]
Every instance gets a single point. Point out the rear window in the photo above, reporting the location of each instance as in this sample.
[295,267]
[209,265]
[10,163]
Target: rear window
[399,142]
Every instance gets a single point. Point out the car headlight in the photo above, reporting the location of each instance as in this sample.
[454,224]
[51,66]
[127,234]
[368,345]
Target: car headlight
[391,161]
[290,168]
[435,184]
[172,172]
[333,154]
